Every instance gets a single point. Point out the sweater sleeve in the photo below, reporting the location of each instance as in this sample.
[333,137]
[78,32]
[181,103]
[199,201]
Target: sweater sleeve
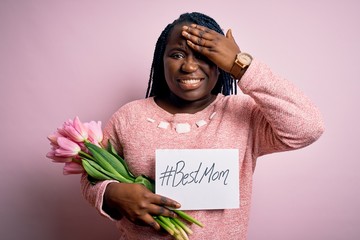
[283,118]
[94,194]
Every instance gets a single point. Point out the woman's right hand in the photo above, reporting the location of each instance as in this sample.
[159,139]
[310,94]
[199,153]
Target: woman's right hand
[137,203]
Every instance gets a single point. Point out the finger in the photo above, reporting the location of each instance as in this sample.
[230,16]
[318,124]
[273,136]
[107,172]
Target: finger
[166,202]
[229,34]
[156,210]
[196,40]
[199,31]
[198,44]
[152,222]
[201,42]
[197,48]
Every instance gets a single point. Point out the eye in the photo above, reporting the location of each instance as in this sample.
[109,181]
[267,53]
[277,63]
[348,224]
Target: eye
[202,58]
[177,55]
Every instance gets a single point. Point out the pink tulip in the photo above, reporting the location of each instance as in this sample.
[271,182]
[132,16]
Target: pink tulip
[73,168]
[61,130]
[67,148]
[53,138]
[94,131]
[75,130]
[83,147]
[79,126]
[57,159]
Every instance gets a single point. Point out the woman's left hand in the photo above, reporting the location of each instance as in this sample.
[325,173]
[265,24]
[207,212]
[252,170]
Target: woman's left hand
[219,49]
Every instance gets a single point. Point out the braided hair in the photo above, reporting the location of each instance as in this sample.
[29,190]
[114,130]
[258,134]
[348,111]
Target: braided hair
[157,85]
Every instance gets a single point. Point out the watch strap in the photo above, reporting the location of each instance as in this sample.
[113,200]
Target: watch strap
[241,62]
[235,69]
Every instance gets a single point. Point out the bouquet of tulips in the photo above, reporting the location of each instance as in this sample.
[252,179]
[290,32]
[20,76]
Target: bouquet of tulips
[79,146]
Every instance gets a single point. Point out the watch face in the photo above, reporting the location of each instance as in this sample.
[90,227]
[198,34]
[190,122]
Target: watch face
[244,58]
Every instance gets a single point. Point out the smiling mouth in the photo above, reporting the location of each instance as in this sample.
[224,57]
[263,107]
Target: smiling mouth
[190,82]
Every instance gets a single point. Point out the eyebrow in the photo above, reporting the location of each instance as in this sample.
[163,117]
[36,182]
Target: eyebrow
[178,46]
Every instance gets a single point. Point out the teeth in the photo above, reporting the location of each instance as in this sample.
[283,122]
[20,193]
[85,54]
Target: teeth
[190,81]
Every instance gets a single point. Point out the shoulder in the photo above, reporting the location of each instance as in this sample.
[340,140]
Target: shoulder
[134,107]
[131,111]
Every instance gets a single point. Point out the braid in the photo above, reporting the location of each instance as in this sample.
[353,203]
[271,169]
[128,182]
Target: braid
[157,66]
[157,85]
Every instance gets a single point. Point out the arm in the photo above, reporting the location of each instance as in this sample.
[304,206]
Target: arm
[134,201]
[94,194]
[283,118]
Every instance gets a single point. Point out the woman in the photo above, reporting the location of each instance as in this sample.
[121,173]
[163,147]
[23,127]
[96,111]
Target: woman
[194,72]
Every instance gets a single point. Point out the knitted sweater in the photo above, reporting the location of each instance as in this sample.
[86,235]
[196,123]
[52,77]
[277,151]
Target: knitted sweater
[270,115]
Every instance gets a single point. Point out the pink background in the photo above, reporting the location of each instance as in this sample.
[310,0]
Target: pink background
[59,59]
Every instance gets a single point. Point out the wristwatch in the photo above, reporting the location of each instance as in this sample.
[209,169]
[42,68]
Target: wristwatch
[242,61]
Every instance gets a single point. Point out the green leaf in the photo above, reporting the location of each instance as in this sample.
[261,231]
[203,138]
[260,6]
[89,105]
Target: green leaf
[146,182]
[108,161]
[112,150]
[93,172]
[109,174]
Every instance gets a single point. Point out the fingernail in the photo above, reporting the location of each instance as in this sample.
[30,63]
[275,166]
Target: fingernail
[185,27]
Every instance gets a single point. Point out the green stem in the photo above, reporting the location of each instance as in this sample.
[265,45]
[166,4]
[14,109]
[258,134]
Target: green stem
[188,217]
[182,233]
[167,222]
[83,154]
[164,226]
[182,225]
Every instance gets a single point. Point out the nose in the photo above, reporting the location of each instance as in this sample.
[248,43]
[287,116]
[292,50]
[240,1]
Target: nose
[190,64]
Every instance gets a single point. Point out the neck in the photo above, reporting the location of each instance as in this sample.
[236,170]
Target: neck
[174,104]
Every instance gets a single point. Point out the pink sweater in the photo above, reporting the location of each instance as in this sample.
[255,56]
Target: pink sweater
[271,116]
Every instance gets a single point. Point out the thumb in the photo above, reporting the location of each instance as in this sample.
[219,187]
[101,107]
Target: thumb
[229,35]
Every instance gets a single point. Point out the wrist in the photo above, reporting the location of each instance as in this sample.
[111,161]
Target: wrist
[109,206]
[240,65]
[241,73]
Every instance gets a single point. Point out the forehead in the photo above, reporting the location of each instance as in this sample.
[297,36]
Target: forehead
[175,37]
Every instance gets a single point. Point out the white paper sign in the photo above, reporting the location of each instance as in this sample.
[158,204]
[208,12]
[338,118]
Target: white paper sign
[199,178]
